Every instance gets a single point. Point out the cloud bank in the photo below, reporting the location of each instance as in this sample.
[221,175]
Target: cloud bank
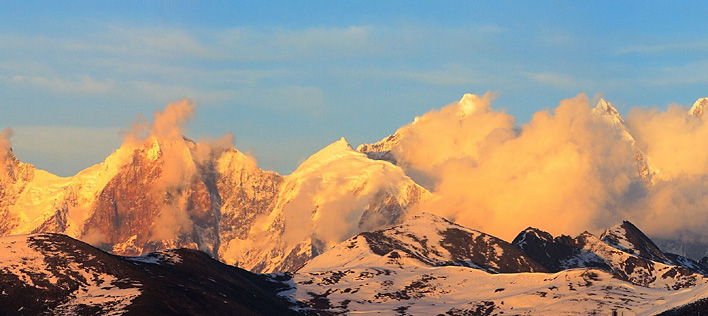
[567,170]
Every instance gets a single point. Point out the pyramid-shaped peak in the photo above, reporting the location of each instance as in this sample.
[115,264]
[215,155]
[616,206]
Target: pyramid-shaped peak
[340,145]
[630,239]
[606,109]
[699,107]
[333,151]
[468,103]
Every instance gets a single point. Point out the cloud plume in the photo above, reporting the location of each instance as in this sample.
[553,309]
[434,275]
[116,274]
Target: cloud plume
[178,187]
[567,170]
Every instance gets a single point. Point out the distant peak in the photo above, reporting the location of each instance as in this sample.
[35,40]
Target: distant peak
[341,144]
[629,238]
[605,108]
[698,107]
[467,103]
[332,151]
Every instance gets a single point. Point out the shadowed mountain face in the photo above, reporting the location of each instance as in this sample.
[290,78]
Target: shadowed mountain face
[55,274]
[622,249]
[438,242]
[556,254]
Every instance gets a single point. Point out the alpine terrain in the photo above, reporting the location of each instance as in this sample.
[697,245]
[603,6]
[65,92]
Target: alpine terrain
[167,225]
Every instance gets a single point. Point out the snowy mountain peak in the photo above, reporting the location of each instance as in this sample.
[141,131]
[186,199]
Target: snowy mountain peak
[426,240]
[334,151]
[468,103]
[606,110]
[630,239]
[699,107]
[340,146]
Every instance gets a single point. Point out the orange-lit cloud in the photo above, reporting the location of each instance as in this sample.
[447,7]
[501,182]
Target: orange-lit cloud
[567,170]
[674,141]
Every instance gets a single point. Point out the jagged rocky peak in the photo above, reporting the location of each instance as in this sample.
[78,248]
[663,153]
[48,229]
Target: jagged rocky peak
[555,254]
[381,150]
[630,239]
[606,110]
[158,200]
[468,104]
[531,234]
[12,169]
[428,240]
[617,252]
[699,107]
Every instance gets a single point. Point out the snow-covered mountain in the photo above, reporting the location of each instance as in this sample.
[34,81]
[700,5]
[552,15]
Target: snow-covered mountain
[425,265]
[52,274]
[413,269]
[345,228]
[622,249]
[608,113]
[699,107]
[430,240]
[332,195]
[161,194]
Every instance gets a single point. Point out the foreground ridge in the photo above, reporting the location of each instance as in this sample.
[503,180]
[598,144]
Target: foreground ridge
[425,265]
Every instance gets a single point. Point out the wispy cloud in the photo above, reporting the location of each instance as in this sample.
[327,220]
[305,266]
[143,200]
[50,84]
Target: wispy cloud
[689,73]
[155,42]
[305,99]
[447,75]
[665,48]
[281,44]
[560,80]
[61,85]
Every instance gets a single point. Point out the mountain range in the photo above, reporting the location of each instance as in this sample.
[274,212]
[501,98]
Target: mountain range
[344,233]
[426,265]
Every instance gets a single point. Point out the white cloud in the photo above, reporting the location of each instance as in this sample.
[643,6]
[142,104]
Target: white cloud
[665,48]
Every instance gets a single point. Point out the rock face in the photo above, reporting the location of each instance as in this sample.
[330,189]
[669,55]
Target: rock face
[138,211]
[55,274]
[622,249]
[556,254]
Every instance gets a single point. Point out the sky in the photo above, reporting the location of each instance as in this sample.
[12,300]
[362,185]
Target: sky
[286,79]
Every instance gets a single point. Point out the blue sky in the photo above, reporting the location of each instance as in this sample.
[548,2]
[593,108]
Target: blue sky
[289,78]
